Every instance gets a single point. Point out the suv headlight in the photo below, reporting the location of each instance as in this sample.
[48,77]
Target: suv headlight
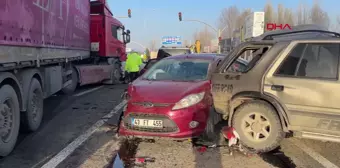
[189,100]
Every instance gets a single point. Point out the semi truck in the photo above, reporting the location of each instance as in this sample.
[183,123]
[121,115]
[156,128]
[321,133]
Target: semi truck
[47,46]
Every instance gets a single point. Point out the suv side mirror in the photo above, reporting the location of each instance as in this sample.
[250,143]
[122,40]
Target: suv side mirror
[128,31]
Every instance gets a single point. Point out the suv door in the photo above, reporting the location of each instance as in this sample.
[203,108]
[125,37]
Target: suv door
[225,78]
[305,80]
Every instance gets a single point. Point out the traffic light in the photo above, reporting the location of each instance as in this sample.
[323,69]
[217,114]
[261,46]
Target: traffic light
[129,13]
[180,16]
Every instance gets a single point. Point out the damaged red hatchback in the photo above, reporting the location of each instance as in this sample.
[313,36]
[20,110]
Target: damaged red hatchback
[172,99]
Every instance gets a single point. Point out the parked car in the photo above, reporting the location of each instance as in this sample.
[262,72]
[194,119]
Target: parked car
[290,86]
[172,99]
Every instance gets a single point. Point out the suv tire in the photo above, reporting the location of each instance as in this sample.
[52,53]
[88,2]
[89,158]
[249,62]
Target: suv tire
[266,126]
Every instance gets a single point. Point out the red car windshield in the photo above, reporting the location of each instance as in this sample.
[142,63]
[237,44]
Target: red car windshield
[178,70]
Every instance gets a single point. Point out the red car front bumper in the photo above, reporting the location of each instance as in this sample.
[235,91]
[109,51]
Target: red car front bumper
[176,124]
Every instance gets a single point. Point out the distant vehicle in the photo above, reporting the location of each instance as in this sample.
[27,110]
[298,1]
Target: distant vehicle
[172,99]
[290,85]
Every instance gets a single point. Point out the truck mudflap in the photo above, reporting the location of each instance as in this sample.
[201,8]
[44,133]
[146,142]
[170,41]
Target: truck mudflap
[93,74]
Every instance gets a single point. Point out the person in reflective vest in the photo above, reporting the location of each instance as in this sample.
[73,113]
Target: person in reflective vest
[132,65]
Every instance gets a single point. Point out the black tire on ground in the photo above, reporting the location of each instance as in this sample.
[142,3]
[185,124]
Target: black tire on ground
[32,118]
[72,87]
[268,129]
[115,75]
[211,131]
[9,112]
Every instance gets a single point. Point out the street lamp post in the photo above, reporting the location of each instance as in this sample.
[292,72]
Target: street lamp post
[139,44]
[217,31]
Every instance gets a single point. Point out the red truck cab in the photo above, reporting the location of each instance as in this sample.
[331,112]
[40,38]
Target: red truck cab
[108,36]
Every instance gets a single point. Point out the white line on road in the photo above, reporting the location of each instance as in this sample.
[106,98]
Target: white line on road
[63,154]
[88,91]
[316,156]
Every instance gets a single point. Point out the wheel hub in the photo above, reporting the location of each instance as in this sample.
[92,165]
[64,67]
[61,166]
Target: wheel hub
[5,122]
[256,126]
[35,106]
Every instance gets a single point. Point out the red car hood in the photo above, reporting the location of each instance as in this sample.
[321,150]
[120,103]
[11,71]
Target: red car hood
[164,91]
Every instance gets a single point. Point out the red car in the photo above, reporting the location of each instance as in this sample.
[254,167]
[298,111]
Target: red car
[172,99]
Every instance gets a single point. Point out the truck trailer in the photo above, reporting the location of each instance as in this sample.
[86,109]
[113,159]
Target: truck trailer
[47,46]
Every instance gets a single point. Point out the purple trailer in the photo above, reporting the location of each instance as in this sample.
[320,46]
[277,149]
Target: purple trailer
[48,46]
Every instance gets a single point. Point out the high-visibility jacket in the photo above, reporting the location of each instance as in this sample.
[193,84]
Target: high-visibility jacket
[133,62]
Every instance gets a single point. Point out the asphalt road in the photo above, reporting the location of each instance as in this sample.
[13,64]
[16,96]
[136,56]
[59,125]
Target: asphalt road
[77,132]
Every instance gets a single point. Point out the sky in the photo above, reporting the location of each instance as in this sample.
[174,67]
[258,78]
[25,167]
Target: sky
[152,19]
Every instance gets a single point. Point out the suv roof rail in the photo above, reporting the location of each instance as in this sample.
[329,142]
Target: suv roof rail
[270,36]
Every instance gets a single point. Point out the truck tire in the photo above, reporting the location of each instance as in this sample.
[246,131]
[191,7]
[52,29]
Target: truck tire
[72,87]
[115,76]
[32,118]
[258,125]
[211,131]
[9,119]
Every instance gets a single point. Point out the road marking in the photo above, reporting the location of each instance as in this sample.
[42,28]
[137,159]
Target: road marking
[68,150]
[87,91]
[316,156]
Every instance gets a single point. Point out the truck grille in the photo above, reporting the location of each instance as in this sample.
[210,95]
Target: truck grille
[168,125]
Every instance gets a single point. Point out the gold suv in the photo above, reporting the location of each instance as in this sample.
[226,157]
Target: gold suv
[290,84]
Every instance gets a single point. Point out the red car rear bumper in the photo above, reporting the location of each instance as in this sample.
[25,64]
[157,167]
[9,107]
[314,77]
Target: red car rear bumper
[175,123]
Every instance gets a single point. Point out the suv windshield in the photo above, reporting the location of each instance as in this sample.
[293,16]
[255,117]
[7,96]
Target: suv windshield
[178,70]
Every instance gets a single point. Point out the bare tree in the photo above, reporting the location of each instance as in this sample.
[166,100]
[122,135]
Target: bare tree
[288,17]
[337,27]
[302,14]
[228,19]
[242,17]
[280,14]
[318,16]
[204,36]
[152,45]
[269,14]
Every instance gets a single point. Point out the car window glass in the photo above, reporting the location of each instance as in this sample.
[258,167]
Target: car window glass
[320,61]
[114,31]
[252,56]
[150,63]
[178,70]
[312,61]
[289,65]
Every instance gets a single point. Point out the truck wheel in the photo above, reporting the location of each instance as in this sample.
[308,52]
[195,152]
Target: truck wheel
[72,87]
[35,107]
[9,119]
[258,125]
[211,131]
[115,75]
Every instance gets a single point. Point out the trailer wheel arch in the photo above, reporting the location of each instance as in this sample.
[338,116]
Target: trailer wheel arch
[25,77]
[10,79]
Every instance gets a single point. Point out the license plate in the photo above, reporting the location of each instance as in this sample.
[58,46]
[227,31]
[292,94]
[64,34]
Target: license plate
[147,123]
